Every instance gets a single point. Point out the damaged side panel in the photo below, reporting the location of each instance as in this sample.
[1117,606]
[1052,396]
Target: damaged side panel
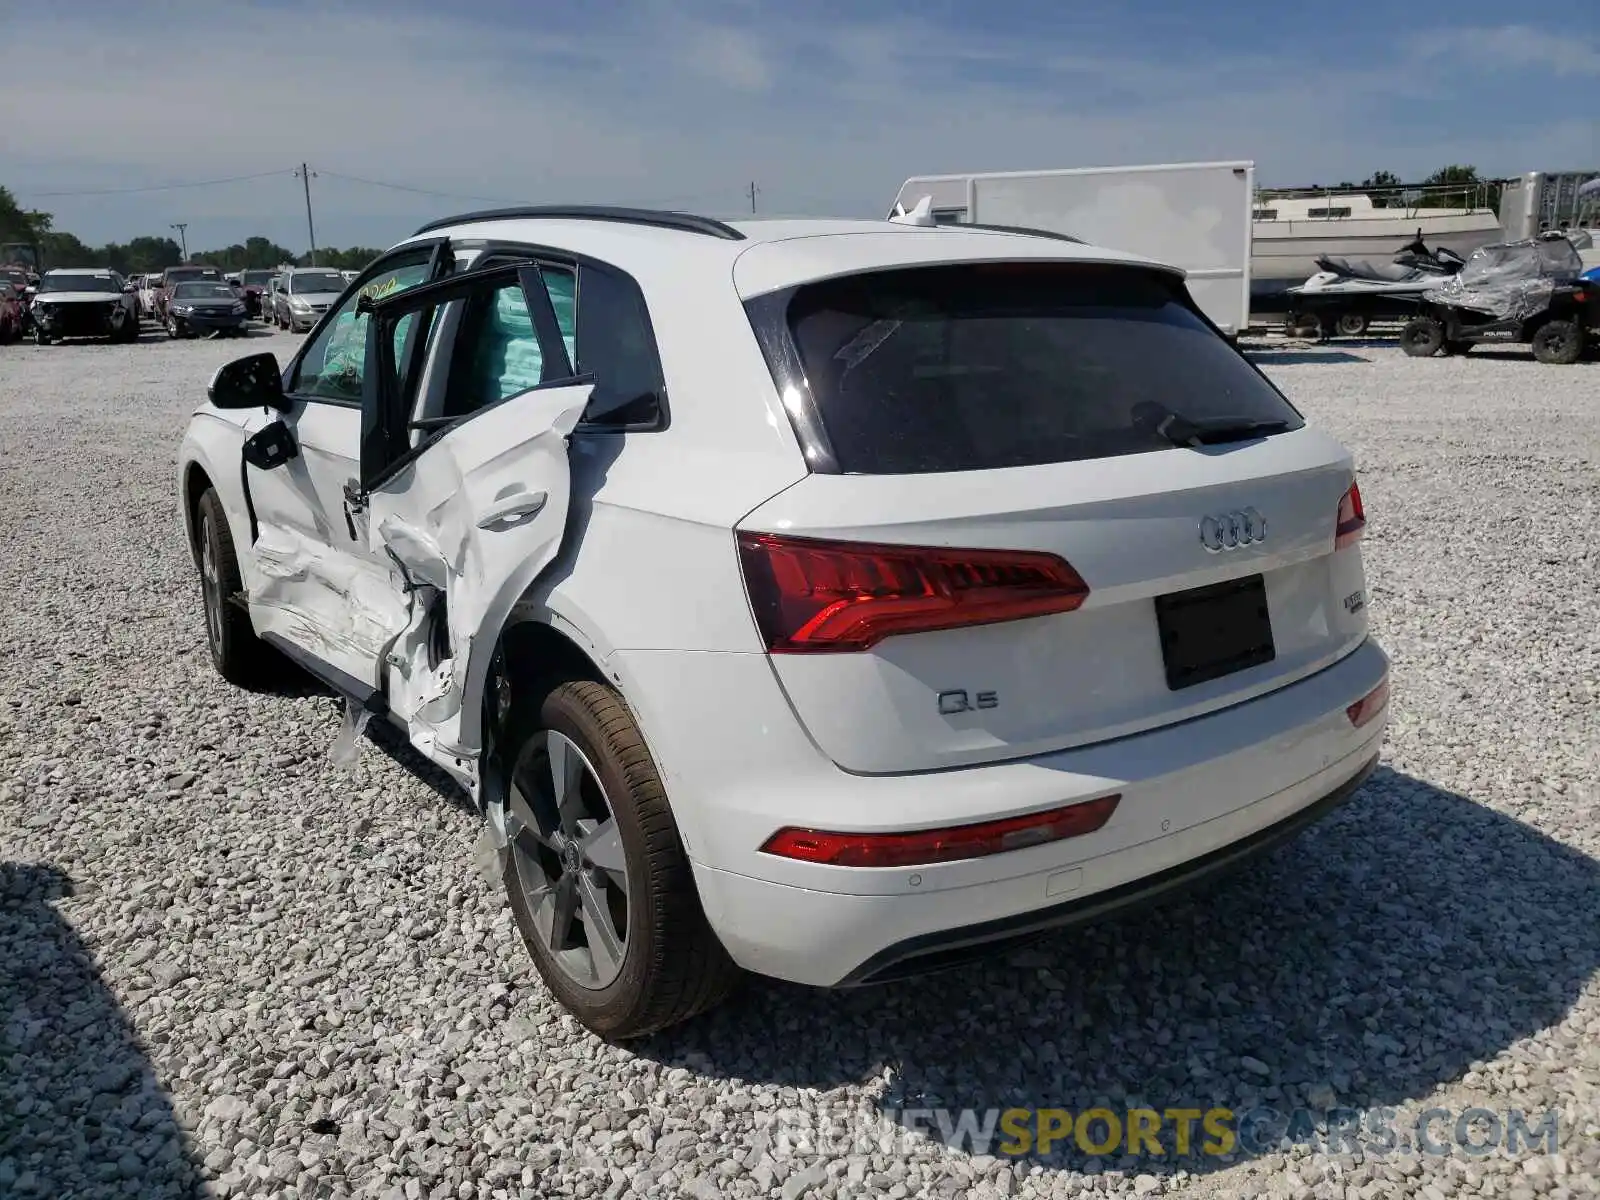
[467,525]
[330,603]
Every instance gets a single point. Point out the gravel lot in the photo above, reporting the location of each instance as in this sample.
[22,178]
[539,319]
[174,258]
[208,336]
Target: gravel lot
[228,967]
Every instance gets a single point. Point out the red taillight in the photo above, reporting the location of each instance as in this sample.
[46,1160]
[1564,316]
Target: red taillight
[927,846]
[813,596]
[1369,706]
[1352,519]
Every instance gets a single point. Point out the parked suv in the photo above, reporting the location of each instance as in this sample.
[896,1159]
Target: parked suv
[84,302]
[833,600]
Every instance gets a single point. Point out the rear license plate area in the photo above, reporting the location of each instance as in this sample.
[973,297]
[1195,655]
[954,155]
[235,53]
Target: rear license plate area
[1213,631]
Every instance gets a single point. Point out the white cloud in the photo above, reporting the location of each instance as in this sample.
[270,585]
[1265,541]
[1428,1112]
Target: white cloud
[1516,48]
[729,56]
[658,103]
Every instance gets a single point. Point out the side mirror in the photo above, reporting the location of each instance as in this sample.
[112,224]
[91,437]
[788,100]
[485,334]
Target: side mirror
[255,381]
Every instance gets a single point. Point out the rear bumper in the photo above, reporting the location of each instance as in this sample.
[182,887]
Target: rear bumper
[1196,797]
[945,948]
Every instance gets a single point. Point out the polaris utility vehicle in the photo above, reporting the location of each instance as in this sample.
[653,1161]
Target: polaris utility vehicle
[832,599]
[1344,297]
[1530,292]
[81,302]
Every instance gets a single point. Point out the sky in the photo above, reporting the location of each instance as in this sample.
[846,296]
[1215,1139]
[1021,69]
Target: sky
[827,105]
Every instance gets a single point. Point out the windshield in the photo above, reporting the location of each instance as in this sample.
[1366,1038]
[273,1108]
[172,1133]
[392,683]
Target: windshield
[180,274]
[316,281]
[256,277]
[983,366]
[16,278]
[79,283]
[202,291]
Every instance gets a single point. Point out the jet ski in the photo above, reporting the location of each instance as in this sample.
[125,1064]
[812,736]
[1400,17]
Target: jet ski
[1344,296]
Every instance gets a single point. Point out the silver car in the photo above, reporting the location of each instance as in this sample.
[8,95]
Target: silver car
[305,294]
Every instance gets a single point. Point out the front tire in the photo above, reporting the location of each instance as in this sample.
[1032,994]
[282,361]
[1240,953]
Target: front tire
[1422,337]
[238,654]
[1559,343]
[595,871]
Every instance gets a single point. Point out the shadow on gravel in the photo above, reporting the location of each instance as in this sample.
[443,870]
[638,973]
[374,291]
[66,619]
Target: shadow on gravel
[392,742]
[1274,357]
[81,1113]
[1378,956]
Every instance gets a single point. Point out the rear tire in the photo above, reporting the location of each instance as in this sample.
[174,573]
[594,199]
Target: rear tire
[1559,343]
[1352,325]
[660,963]
[1302,325]
[238,654]
[1422,337]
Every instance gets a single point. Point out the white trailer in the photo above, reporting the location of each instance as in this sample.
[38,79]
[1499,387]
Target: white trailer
[1541,201]
[1190,215]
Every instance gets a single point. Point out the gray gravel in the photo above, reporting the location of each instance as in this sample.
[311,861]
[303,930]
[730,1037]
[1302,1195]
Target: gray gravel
[228,966]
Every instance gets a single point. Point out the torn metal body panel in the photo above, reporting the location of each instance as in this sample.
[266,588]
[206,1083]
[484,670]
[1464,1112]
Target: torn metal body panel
[468,525]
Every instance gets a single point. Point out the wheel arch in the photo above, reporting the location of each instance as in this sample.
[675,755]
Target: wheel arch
[196,481]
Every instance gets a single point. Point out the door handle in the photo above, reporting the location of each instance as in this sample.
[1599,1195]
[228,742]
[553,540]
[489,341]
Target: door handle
[516,507]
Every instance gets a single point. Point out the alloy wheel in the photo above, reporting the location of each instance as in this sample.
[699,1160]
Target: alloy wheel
[211,588]
[569,861]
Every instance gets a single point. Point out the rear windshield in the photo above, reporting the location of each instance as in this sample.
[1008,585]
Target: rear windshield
[179,274]
[977,366]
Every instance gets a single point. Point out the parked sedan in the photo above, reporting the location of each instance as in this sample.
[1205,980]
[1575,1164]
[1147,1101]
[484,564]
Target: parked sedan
[84,303]
[204,307]
[173,276]
[306,295]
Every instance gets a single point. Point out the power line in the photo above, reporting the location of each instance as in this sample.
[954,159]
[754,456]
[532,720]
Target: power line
[159,187]
[401,187]
[751,191]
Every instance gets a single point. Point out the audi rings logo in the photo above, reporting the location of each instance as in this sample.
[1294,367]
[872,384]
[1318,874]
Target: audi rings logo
[1230,530]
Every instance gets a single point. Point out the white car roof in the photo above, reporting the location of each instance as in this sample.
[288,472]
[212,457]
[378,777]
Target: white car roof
[774,253]
[95,272]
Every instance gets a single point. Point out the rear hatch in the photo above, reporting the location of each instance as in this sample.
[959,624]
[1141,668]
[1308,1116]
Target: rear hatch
[1054,508]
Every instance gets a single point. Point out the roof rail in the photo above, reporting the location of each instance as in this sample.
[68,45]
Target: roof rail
[660,219]
[1023,229]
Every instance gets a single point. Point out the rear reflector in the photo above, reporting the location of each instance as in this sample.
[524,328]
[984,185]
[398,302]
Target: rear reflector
[812,596]
[1352,519]
[942,845]
[1369,706]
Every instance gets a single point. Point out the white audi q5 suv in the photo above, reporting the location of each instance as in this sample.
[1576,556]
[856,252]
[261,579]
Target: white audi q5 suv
[828,599]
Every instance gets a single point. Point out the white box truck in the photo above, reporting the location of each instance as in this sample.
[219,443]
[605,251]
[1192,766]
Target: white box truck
[1190,215]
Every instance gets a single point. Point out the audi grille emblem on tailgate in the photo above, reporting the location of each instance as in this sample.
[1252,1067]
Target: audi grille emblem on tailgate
[1230,530]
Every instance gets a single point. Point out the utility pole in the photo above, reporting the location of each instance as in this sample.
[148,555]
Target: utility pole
[183,237]
[306,176]
[753,191]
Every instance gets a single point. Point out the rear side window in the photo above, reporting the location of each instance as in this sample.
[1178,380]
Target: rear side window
[616,345]
[989,365]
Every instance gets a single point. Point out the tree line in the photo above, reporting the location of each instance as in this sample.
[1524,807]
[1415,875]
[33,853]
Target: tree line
[145,255]
[1465,189]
